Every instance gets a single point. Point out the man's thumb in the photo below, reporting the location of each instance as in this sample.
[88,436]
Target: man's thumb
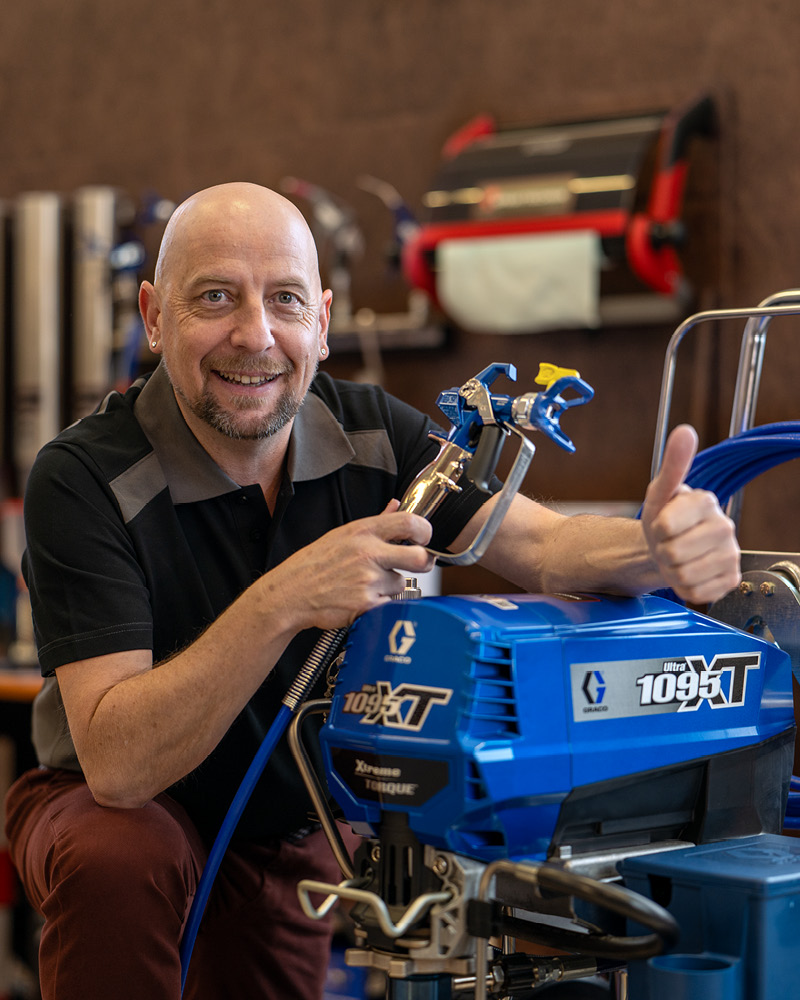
[679,454]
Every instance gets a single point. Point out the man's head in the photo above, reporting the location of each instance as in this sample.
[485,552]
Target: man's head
[237,310]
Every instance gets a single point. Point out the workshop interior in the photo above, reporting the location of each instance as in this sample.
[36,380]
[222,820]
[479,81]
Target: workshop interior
[559,231]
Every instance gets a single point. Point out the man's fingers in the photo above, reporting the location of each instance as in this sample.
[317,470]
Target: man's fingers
[400,526]
[679,454]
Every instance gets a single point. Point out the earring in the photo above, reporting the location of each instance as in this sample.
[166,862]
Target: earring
[323,352]
[154,343]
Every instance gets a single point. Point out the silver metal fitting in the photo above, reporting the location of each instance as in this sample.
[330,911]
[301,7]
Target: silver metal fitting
[411,592]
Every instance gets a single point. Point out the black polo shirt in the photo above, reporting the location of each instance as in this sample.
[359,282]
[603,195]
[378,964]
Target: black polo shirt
[138,540]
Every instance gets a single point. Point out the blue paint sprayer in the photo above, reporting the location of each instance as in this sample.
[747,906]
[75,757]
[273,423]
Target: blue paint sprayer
[571,792]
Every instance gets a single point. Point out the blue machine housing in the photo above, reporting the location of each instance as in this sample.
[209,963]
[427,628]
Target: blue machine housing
[501,726]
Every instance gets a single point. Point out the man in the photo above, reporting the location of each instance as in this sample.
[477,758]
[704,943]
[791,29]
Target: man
[208,524]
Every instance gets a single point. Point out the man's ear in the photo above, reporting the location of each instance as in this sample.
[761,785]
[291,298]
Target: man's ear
[325,317]
[150,309]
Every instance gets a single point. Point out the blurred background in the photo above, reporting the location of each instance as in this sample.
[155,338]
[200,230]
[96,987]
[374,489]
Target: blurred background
[152,101]
[425,140]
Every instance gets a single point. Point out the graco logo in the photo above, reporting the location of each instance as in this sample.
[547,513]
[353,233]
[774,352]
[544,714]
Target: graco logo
[594,687]
[402,638]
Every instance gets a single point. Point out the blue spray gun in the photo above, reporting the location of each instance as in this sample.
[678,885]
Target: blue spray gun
[480,423]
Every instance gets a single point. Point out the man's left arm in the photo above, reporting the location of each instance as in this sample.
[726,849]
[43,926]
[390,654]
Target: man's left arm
[683,541]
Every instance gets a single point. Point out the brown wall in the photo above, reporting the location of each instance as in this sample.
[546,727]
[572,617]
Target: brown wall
[168,96]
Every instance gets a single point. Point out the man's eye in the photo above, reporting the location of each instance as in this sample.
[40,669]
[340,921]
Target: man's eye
[286,298]
[214,295]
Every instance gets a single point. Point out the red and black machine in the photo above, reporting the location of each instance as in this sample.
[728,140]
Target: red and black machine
[622,178]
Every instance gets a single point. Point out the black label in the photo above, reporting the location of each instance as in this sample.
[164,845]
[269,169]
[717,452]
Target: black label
[390,780]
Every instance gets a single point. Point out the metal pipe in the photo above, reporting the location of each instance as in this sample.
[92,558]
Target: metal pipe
[668,378]
[37,336]
[313,787]
[347,890]
[751,358]
[94,229]
[748,377]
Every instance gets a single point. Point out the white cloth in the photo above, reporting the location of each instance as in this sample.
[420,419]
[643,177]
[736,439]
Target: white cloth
[521,284]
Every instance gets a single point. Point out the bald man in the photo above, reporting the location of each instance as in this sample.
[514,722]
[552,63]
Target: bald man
[186,543]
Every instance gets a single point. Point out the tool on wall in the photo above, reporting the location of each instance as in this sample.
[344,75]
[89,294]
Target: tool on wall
[577,224]
[561,226]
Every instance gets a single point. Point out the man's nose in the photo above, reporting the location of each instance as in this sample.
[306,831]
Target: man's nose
[253,328]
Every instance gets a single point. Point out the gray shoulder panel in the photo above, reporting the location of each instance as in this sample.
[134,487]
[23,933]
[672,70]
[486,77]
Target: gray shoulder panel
[138,485]
[373,449]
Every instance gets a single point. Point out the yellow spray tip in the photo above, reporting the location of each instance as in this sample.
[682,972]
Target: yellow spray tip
[551,373]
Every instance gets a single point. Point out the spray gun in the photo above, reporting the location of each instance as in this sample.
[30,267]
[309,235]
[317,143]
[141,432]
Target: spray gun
[481,423]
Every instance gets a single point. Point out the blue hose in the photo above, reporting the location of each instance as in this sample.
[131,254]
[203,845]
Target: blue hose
[223,838]
[726,468]
[320,656]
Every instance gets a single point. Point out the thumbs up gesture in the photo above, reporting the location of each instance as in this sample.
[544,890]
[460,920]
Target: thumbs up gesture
[690,538]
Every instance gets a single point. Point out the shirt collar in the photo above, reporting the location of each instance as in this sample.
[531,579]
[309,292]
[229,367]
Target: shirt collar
[317,446]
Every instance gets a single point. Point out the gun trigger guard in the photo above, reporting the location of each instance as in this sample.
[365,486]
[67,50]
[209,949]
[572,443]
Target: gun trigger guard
[483,539]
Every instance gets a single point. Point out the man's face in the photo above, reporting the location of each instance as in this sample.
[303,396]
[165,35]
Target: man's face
[242,320]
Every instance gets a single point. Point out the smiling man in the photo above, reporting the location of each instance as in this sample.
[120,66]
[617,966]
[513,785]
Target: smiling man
[241,320]
[185,545]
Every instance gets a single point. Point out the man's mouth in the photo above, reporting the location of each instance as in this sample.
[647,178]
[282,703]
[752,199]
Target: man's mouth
[237,379]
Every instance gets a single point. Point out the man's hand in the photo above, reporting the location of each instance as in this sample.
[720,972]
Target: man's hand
[692,541]
[351,569]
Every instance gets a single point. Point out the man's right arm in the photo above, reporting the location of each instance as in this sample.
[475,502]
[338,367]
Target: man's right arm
[138,729]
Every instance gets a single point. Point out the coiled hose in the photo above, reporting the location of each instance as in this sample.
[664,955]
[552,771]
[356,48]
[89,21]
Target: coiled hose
[728,467]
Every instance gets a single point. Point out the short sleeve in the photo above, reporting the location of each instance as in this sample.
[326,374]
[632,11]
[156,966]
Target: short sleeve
[88,593]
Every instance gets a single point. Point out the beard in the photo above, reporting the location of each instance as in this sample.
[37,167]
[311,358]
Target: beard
[232,422]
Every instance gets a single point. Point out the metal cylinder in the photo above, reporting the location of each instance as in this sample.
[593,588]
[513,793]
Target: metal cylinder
[93,238]
[37,326]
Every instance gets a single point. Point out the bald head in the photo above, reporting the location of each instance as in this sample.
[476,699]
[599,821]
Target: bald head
[239,213]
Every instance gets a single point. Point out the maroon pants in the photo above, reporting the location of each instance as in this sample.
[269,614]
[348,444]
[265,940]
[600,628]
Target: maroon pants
[115,885]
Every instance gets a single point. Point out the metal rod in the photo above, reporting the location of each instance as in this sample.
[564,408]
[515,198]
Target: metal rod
[751,358]
[346,890]
[748,378]
[482,540]
[313,787]
[668,378]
